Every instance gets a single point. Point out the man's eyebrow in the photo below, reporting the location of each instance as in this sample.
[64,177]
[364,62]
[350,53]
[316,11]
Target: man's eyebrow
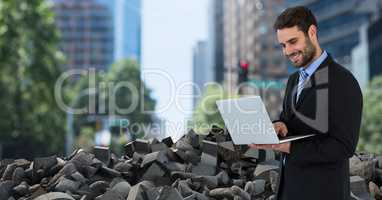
[290,40]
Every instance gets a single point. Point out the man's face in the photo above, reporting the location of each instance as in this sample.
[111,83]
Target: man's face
[296,46]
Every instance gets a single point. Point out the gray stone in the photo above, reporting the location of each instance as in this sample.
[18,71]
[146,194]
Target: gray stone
[274,178]
[169,193]
[67,185]
[204,169]
[122,188]
[153,172]
[151,193]
[168,141]
[142,146]
[375,192]
[175,166]
[358,187]
[18,175]
[159,156]
[180,154]
[159,147]
[238,182]
[111,173]
[259,186]
[181,144]
[221,193]
[44,163]
[6,189]
[250,188]
[82,161]
[124,166]
[55,196]
[181,175]
[129,149]
[22,163]
[99,187]
[223,178]
[364,169]
[263,170]
[184,189]
[192,138]
[237,191]
[137,192]
[110,195]
[103,154]
[192,157]
[22,189]
[79,177]
[8,172]
[211,182]
[252,153]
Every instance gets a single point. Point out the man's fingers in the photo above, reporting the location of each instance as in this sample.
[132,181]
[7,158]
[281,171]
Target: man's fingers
[262,146]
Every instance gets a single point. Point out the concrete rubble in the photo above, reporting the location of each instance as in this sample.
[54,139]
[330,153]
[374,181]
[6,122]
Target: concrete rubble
[196,167]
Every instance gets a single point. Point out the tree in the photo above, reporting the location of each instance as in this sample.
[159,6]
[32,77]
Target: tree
[29,67]
[206,112]
[120,92]
[371,128]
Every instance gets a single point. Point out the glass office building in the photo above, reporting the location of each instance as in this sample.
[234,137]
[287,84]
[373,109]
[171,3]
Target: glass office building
[339,22]
[86,31]
[127,29]
[96,33]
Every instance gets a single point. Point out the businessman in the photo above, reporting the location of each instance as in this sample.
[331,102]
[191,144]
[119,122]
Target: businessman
[324,98]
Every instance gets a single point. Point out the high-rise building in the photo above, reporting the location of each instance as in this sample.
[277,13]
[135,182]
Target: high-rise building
[375,49]
[200,72]
[86,33]
[95,33]
[339,22]
[127,30]
[249,38]
[216,39]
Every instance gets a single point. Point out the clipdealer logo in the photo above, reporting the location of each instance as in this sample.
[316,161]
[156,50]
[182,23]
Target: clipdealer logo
[321,120]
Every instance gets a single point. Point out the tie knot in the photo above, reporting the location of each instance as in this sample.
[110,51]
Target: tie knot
[303,74]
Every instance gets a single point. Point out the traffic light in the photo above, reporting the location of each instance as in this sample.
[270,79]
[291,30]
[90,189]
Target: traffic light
[243,71]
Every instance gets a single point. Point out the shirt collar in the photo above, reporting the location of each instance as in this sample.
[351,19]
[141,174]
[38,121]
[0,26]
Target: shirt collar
[315,64]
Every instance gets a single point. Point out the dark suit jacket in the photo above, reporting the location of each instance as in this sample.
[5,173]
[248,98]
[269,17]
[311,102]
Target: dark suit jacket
[317,168]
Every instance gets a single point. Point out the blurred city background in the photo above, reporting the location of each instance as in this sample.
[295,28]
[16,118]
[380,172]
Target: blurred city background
[79,73]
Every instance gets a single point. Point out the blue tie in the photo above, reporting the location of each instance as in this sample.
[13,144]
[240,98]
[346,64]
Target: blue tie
[301,82]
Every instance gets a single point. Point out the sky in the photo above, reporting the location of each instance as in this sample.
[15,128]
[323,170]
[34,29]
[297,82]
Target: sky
[170,30]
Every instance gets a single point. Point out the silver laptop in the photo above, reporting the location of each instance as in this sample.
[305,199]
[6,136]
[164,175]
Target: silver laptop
[248,122]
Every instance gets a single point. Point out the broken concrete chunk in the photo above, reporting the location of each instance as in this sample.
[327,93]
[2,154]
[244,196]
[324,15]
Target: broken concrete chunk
[168,141]
[158,156]
[142,146]
[129,149]
[67,185]
[358,187]
[55,196]
[168,192]
[103,154]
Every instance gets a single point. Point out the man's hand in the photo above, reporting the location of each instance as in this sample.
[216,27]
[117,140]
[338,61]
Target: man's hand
[280,128]
[283,147]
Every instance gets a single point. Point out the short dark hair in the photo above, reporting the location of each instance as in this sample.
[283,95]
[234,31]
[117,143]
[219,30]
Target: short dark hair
[299,16]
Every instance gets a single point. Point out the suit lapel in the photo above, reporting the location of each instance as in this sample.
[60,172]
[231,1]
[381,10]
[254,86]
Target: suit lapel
[306,91]
[309,86]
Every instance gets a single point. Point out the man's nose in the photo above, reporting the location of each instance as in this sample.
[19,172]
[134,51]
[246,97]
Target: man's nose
[288,50]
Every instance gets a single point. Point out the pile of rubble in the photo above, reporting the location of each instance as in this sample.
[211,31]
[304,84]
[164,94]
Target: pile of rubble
[366,176]
[193,168]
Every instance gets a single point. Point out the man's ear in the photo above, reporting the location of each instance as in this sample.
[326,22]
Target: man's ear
[312,32]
